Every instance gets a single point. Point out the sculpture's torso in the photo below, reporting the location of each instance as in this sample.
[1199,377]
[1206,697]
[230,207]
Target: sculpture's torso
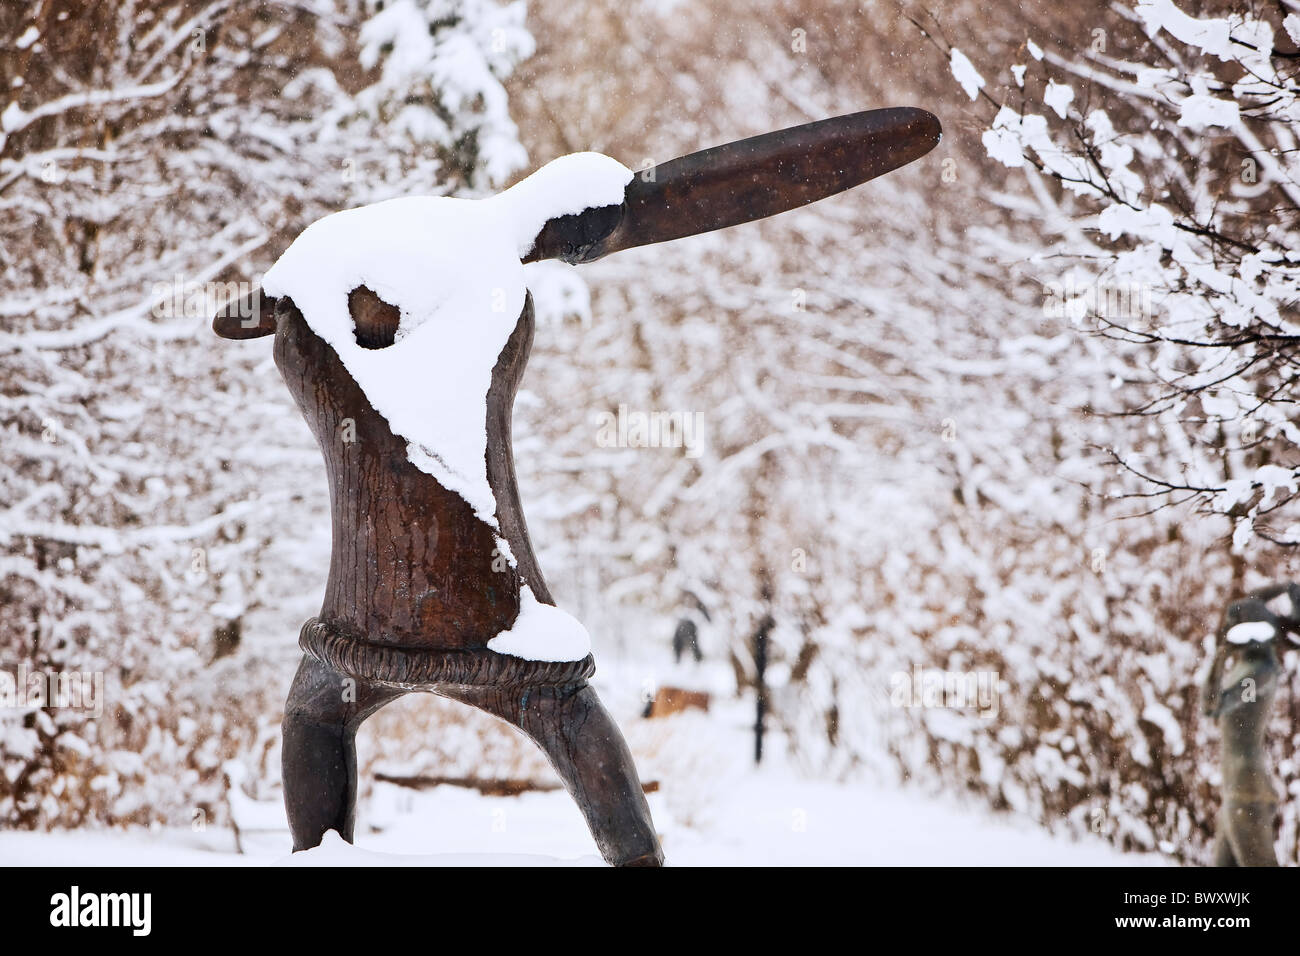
[1243,722]
[411,564]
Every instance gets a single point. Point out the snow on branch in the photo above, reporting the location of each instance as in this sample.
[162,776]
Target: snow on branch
[1176,162]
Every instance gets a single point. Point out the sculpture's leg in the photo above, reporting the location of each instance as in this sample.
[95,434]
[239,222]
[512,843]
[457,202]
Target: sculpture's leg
[1250,831]
[319,753]
[587,750]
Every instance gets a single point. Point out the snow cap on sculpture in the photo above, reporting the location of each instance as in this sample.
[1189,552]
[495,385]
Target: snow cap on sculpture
[1263,616]
[452,267]
[1249,631]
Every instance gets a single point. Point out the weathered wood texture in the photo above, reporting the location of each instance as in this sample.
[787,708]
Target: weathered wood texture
[416,586]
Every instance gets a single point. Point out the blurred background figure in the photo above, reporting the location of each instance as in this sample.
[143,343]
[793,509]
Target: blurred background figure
[1239,692]
[686,639]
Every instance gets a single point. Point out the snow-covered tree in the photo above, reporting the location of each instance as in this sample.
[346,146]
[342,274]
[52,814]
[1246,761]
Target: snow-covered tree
[1175,223]
[1157,156]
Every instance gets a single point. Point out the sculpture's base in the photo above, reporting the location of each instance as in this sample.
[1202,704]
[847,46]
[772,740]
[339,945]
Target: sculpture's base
[567,721]
[417,668]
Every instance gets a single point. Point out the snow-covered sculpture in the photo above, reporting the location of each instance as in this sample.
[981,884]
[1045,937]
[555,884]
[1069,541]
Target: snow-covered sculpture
[402,329]
[1242,700]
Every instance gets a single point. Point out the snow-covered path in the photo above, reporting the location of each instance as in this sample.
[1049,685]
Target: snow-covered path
[764,818]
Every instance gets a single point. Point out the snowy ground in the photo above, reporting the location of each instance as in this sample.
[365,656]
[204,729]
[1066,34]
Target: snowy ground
[715,809]
[765,818]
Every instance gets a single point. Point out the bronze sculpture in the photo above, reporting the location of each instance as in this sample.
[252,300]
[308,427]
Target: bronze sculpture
[416,588]
[1239,691]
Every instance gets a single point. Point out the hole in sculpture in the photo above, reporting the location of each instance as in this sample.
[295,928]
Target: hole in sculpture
[374,321]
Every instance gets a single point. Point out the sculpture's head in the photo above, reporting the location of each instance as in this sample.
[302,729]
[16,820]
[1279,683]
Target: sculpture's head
[1265,615]
[712,189]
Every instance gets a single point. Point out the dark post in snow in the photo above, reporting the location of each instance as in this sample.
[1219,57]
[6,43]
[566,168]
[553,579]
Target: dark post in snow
[760,682]
[416,586]
[1239,690]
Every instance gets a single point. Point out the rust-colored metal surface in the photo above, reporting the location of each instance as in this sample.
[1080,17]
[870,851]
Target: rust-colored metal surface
[416,587]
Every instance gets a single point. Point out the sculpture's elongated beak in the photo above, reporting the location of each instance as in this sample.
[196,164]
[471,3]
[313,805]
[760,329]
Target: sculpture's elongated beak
[742,181]
[723,186]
